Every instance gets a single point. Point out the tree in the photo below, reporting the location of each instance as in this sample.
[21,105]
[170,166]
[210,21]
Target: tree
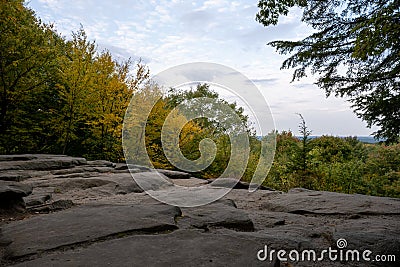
[28,49]
[108,98]
[76,74]
[303,153]
[162,150]
[214,115]
[354,50]
[59,96]
[95,91]
[223,122]
[281,176]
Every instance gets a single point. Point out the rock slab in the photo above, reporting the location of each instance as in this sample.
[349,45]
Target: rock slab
[219,214]
[303,201]
[11,195]
[85,224]
[180,248]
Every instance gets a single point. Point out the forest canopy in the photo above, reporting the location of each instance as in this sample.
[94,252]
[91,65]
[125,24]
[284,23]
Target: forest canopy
[58,95]
[66,97]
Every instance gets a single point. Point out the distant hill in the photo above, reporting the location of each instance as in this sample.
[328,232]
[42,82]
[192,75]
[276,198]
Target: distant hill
[364,139]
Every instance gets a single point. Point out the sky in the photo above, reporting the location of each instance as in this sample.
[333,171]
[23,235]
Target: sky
[168,33]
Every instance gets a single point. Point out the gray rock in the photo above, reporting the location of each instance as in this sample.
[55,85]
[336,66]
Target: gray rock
[82,184]
[218,214]
[127,188]
[15,176]
[99,169]
[138,167]
[57,205]
[3,241]
[380,234]
[122,171]
[11,195]
[152,181]
[133,168]
[180,248]
[18,157]
[124,183]
[73,175]
[191,182]
[101,163]
[83,169]
[234,184]
[174,174]
[121,166]
[228,183]
[121,183]
[302,201]
[223,233]
[37,199]
[39,162]
[85,224]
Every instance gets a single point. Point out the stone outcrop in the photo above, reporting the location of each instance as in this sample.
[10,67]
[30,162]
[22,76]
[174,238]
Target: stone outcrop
[220,214]
[56,177]
[234,183]
[303,201]
[11,195]
[92,213]
[38,162]
[174,174]
[179,248]
[86,224]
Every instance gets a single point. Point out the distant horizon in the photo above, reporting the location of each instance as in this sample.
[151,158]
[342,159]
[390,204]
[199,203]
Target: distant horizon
[362,138]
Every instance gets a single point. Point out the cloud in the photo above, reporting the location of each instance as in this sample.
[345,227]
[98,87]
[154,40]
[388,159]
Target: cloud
[122,54]
[165,33]
[49,2]
[265,80]
[213,4]
[197,17]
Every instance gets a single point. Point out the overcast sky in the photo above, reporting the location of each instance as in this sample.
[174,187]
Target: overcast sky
[169,33]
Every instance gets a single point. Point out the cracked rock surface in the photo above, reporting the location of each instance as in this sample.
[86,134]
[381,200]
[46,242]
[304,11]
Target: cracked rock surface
[92,213]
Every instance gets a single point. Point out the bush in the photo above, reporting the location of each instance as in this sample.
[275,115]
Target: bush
[336,164]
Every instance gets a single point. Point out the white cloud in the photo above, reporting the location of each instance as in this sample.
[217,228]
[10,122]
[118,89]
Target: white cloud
[209,4]
[171,32]
[50,2]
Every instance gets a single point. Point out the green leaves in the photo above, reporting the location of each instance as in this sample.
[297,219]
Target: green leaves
[95,91]
[76,75]
[214,122]
[354,52]
[27,59]
[336,164]
[271,10]
[60,96]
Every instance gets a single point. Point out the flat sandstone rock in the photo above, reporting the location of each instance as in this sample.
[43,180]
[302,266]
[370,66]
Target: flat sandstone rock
[180,248]
[85,224]
[303,201]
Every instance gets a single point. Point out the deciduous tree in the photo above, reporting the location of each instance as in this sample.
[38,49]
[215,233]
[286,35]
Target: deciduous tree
[76,74]
[28,49]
